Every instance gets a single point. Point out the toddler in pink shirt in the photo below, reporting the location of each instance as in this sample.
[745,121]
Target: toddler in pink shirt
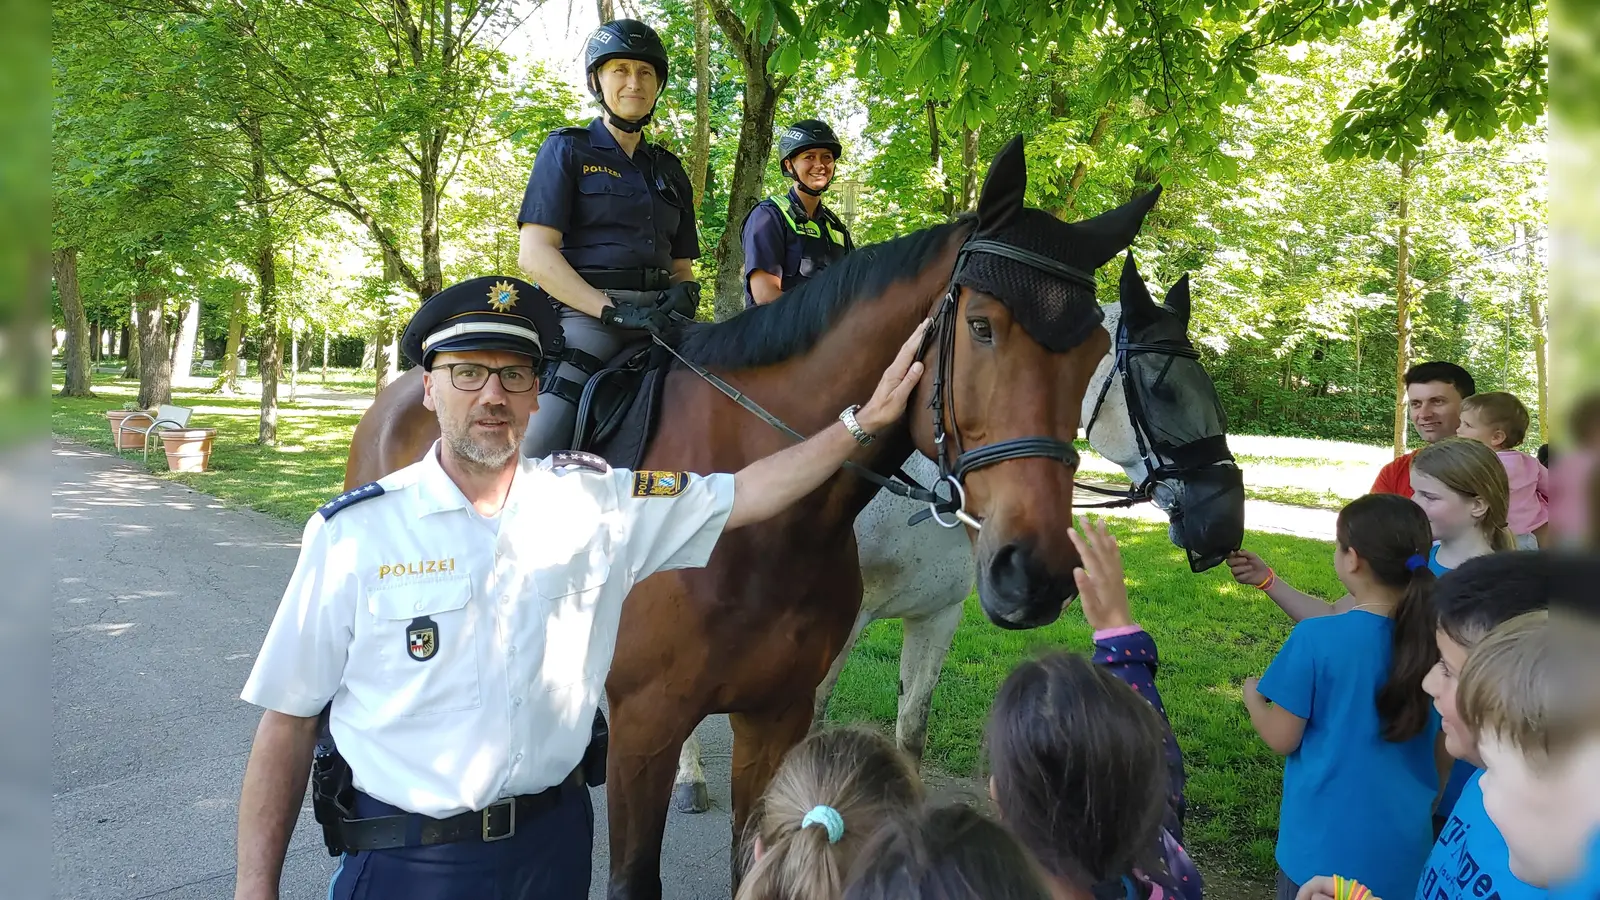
[1500,420]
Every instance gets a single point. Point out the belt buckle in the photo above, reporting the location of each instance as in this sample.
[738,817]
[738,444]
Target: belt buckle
[489,832]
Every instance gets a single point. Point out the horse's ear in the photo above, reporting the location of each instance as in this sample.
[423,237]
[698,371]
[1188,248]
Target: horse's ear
[1004,188]
[1106,235]
[1178,299]
[1135,297]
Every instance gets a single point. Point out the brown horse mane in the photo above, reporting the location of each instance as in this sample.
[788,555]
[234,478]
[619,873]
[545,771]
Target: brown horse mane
[774,332]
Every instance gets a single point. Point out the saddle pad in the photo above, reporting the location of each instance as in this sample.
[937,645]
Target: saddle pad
[625,446]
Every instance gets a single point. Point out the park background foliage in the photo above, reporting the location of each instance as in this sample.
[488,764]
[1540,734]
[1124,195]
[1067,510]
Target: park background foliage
[1350,185]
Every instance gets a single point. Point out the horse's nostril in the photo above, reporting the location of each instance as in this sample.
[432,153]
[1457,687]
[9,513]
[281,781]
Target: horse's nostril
[1008,571]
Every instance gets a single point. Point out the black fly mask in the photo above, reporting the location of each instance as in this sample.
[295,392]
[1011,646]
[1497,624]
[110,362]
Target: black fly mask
[1178,423]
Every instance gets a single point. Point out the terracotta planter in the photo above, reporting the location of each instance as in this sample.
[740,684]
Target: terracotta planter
[128,440]
[188,449]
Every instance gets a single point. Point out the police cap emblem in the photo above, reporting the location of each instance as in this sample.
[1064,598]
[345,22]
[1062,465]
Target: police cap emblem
[502,296]
[422,639]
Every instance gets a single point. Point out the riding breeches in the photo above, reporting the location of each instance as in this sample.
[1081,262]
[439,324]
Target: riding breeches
[550,428]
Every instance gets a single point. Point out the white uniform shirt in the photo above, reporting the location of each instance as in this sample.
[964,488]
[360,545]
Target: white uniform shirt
[524,623]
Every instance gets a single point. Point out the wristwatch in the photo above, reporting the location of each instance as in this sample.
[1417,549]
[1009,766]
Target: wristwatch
[848,417]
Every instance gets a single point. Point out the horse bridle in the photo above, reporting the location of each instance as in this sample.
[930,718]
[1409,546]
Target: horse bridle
[948,442]
[1184,457]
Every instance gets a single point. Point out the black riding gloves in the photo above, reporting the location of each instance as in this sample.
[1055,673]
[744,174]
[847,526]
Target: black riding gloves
[640,318]
[682,298]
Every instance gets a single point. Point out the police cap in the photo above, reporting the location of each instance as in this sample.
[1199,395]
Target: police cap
[489,313]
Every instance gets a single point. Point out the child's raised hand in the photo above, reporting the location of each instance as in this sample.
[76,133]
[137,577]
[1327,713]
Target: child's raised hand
[1248,568]
[1100,580]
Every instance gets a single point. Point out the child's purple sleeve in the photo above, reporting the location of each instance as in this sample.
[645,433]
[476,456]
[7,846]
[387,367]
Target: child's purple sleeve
[1130,654]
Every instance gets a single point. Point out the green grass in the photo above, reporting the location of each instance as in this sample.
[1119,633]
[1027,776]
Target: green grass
[288,482]
[1212,633]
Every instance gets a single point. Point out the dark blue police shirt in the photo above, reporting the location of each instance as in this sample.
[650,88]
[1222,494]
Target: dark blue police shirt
[770,245]
[613,212]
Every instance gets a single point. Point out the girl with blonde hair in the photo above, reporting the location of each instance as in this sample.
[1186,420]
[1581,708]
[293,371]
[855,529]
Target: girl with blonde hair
[832,793]
[1462,486]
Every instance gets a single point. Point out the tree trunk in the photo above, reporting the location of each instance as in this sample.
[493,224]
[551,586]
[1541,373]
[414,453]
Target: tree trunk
[324,355]
[749,167]
[380,353]
[94,342]
[700,151]
[130,343]
[183,357]
[79,336]
[266,266]
[607,9]
[934,154]
[969,168]
[228,379]
[294,363]
[1402,297]
[155,367]
[1081,170]
[1536,302]
[432,146]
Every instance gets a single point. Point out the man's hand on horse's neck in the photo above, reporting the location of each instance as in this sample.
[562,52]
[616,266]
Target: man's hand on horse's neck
[768,486]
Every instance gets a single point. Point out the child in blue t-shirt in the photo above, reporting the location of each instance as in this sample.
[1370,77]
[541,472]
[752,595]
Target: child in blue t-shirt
[1470,860]
[1348,710]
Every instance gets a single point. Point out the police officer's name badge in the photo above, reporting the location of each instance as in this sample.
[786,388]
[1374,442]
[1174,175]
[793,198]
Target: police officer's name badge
[422,639]
[659,484]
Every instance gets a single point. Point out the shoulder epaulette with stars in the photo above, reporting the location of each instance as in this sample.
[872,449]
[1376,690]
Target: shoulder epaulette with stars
[577,458]
[349,498]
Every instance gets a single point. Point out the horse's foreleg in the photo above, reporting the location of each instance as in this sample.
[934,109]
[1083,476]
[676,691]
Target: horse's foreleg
[760,741]
[689,788]
[927,640]
[640,762]
[819,712]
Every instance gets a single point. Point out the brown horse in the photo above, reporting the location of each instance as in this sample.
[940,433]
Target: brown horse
[754,632]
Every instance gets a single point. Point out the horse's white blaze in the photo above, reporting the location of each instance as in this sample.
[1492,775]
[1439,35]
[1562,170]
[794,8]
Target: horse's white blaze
[924,574]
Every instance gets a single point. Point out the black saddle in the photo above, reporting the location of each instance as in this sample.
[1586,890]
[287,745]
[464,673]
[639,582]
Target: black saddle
[619,403]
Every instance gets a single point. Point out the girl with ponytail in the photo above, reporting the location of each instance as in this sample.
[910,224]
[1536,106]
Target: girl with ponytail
[1343,700]
[834,790]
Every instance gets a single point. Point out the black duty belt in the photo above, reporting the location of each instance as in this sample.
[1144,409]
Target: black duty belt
[495,823]
[627,279]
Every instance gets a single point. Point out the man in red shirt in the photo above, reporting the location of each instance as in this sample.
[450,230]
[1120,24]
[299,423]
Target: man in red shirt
[1434,391]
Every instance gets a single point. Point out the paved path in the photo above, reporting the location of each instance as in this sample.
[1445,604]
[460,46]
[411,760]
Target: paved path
[160,601]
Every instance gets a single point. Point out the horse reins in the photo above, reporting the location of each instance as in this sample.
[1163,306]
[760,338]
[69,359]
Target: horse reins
[965,461]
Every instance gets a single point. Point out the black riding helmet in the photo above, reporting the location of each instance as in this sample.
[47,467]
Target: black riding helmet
[623,39]
[802,136]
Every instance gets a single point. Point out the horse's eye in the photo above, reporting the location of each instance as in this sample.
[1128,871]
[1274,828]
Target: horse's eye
[981,332]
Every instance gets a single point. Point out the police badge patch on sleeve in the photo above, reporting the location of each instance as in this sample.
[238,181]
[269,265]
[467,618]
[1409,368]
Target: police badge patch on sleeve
[659,484]
[422,639]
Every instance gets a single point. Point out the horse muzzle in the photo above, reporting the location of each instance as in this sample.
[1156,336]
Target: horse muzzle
[1017,590]
[1206,518]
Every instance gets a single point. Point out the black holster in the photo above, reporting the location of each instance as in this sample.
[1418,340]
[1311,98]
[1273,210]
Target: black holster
[594,756]
[333,790]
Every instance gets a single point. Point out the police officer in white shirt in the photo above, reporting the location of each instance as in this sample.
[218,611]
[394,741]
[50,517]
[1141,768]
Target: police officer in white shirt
[453,624]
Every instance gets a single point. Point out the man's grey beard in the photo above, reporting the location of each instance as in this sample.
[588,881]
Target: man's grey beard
[490,459]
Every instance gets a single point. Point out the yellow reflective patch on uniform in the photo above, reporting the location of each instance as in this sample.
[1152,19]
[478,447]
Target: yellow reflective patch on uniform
[591,169]
[659,484]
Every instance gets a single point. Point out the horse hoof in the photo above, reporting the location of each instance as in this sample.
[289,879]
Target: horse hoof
[691,797]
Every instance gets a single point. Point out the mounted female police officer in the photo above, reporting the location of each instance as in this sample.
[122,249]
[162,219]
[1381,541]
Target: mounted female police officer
[607,224]
[789,239]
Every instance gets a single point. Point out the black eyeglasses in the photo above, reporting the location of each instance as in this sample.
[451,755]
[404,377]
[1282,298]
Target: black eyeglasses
[472,377]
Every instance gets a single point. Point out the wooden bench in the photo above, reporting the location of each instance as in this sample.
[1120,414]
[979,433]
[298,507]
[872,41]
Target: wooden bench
[166,416]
